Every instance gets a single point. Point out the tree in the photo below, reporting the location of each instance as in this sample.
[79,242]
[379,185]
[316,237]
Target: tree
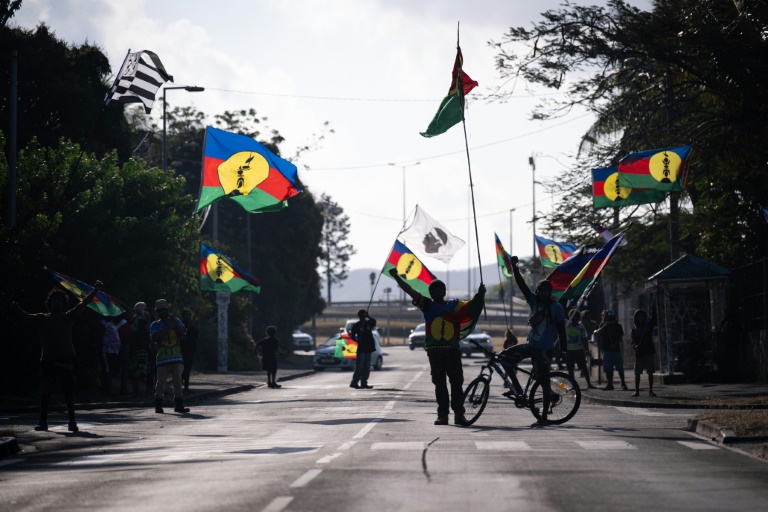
[686,72]
[336,251]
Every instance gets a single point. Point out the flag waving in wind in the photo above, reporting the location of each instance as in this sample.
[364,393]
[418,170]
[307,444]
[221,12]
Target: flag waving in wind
[451,110]
[219,274]
[242,169]
[503,258]
[657,169]
[409,268]
[431,238]
[140,76]
[102,303]
[572,277]
[553,253]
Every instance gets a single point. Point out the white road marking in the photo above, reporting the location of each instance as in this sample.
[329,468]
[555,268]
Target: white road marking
[389,405]
[698,445]
[366,429]
[346,446]
[306,478]
[407,385]
[507,446]
[278,504]
[403,445]
[606,445]
[641,411]
[327,458]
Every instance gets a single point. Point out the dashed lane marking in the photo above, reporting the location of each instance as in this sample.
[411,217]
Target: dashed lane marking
[403,445]
[698,445]
[278,504]
[307,477]
[506,446]
[606,445]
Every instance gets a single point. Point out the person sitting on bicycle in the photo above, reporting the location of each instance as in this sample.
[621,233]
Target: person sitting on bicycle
[547,319]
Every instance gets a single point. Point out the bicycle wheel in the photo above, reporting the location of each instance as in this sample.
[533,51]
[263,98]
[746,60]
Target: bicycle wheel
[565,398]
[475,398]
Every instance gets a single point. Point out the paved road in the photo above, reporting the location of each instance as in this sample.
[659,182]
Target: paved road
[318,445]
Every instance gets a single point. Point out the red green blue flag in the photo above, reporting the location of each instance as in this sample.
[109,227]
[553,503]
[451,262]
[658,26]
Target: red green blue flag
[553,253]
[657,169]
[348,346]
[451,110]
[242,169]
[572,277]
[503,258]
[607,193]
[219,274]
[409,268]
[102,303]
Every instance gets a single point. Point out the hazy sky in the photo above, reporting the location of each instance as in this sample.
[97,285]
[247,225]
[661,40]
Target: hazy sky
[376,70]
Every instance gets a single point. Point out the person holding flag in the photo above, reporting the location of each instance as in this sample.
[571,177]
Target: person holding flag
[57,361]
[447,323]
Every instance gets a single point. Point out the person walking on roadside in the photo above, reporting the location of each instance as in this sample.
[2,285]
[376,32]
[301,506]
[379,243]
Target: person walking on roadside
[446,322]
[166,333]
[547,320]
[577,338]
[642,341]
[610,334]
[188,346]
[362,333]
[140,342]
[110,354]
[57,359]
[269,348]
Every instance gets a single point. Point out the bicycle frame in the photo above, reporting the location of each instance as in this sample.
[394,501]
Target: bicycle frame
[496,364]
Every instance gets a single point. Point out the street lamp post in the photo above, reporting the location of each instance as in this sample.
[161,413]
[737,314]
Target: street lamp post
[188,88]
[403,167]
[532,163]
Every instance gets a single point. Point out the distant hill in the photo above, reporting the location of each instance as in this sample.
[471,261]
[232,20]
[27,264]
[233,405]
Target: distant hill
[357,287]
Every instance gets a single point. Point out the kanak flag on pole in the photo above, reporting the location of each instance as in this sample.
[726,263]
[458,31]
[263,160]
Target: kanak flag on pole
[656,169]
[451,109]
[606,191]
[553,253]
[102,303]
[409,268]
[219,274]
[242,169]
[572,277]
[503,259]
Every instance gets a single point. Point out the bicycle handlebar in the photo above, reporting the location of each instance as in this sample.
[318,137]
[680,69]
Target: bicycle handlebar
[489,353]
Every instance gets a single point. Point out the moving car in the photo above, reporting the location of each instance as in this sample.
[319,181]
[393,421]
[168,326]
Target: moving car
[416,338]
[302,341]
[482,337]
[324,356]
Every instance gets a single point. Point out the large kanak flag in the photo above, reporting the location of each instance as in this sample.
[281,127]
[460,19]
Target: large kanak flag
[431,238]
[139,78]
[102,303]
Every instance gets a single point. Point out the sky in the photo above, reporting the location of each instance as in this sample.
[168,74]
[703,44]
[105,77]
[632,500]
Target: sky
[376,71]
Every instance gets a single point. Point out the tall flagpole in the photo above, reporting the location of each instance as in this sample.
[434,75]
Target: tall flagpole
[469,163]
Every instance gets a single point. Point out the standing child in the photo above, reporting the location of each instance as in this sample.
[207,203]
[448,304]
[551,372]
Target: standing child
[642,342]
[610,334]
[576,335]
[269,348]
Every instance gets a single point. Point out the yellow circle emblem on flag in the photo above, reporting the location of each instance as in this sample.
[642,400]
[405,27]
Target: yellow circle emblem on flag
[350,350]
[409,266]
[612,189]
[664,166]
[553,253]
[441,330]
[242,172]
[219,269]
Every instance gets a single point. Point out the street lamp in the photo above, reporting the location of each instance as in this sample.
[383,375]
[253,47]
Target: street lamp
[532,163]
[188,88]
[403,167]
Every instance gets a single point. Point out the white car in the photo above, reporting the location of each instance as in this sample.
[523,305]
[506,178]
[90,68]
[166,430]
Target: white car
[302,341]
[324,356]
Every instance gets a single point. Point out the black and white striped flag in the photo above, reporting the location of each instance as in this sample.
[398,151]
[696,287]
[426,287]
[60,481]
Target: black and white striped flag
[139,78]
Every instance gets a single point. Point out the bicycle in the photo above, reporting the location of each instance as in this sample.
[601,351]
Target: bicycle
[565,396]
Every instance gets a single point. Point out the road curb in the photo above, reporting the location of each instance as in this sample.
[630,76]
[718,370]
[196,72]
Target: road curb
[665,405]
[722,435]
[296,376]
[8,446]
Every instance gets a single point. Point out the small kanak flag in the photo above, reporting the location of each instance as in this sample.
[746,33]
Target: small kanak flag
[139,78]
[431,238]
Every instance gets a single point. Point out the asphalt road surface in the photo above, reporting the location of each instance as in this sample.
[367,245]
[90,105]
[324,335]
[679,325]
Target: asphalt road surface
[318,445]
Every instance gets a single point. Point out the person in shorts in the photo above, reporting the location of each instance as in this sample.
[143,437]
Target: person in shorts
[610,335]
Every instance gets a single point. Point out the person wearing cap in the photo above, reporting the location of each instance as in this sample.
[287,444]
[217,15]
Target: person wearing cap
[610,334]
[57,361]
[547,320]
[140,342]
[362,333]
[166,333]
[445,321]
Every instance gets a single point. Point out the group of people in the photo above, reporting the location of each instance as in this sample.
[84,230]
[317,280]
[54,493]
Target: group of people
[444,320]
[156,350]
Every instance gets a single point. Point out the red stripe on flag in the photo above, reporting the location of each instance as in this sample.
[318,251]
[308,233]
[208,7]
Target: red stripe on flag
[277,185]
[635,166]
[211,172]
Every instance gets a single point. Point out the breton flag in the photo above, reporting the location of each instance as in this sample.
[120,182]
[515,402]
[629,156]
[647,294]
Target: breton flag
[431,238]
[139,78]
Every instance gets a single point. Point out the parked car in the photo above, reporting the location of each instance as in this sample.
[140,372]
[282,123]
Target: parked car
[416,338]
[324,356]
[302,341]
[482,337]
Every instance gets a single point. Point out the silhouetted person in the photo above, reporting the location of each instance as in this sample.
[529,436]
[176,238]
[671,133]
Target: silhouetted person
[362,332]
[166,333]
[57,361]
[140,342]
[269,348]
[642,342]
[576,334]
[188,346]
[610,334]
